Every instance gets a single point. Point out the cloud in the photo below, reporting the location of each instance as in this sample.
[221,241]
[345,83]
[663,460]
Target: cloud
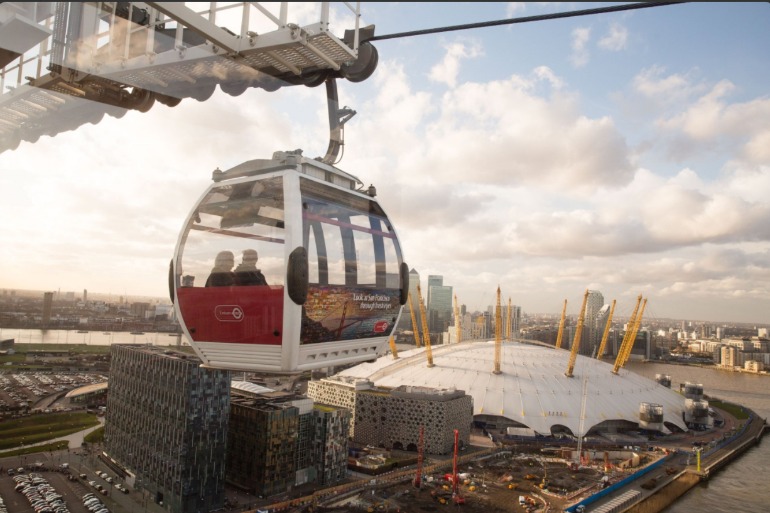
[580,55]
[514,8]
[530,133]
[653,83]
[711,122]
[616,38]
[447,70]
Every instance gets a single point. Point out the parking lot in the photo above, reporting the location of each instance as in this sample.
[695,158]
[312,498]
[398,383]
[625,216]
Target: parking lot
[69,484]
[21,391]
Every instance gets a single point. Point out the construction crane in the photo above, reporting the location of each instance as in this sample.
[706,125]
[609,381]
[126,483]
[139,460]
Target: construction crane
[457,320]
[498,333]
[578,334]
[634,331]
[627,337]
[456,497]
[581,434]
[606,335]
[420,456]
[415,329]
[425,333]
[561,325]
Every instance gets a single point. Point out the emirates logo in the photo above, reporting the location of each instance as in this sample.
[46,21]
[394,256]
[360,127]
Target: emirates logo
[229,313]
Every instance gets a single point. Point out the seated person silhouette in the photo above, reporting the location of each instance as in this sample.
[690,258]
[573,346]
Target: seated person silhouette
[222,272]
[247,273]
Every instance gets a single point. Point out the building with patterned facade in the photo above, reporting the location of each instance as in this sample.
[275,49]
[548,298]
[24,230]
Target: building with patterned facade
[166,424]
[279,440]
[391,417]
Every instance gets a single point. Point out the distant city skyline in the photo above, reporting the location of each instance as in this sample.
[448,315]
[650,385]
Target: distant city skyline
[100,296]
[627,153]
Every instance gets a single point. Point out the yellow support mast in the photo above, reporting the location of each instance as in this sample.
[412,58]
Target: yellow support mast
[638,323]
[457,321]
[561,325]
[393,348]
[425,333]
[578,335]
[631,321]
[606,335]
[498,333]
[415,329]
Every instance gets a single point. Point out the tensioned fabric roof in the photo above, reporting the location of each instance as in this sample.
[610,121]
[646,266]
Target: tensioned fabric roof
[532,388]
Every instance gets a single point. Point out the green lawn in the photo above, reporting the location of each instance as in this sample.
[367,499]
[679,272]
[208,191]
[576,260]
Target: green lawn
[95,437]
[733,409]
[54,446]
[72,348]
[38,428]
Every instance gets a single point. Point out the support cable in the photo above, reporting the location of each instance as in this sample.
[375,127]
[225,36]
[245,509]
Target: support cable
[524,19]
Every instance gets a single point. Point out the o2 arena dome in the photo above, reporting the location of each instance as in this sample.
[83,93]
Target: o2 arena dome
[532,390]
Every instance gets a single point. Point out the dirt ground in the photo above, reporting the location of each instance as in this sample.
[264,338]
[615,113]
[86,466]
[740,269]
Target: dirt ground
[494,485]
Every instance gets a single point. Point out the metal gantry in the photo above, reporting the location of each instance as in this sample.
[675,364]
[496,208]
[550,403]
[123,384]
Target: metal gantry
[64,64]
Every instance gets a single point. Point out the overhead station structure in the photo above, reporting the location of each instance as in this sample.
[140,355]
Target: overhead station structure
[65,64]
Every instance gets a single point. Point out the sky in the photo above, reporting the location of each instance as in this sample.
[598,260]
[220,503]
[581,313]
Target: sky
[627,153]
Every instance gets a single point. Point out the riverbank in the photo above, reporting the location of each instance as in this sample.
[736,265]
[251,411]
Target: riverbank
[750,435]
[707,366]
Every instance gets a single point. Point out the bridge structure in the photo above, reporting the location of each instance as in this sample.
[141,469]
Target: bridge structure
[64,64]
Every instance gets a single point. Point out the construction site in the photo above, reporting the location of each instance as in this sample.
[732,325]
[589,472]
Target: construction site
[495,479]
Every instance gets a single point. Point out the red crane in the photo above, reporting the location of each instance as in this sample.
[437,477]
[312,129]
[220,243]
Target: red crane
[456,497]
[420,451]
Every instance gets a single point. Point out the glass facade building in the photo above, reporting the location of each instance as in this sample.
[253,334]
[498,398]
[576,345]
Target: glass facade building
[166,424]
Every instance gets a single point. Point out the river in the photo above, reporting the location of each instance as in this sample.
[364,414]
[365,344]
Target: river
[742,486]
[94,338]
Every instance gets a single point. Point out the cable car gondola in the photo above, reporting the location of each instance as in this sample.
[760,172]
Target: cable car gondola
[285,265]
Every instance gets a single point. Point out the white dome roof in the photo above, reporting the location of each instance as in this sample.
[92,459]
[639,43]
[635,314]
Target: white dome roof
[532,388]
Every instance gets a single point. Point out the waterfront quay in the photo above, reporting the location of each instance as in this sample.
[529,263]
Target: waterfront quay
[657,486]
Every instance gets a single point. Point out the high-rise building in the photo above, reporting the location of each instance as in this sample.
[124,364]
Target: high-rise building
[439,308]
[434,280]
[592,335]
[167,421]
[47,307]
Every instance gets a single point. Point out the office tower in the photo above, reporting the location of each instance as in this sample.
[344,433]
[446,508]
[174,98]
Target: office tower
[167,421]
[434,280]
[47,307]
[594,329]
[439,308]
[515,321]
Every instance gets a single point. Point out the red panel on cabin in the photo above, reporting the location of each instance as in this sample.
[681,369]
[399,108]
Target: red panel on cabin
[240,315]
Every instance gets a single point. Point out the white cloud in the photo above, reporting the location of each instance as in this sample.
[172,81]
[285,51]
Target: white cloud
[711,122]
[580,55]
[652,83]
[512,9]
[616,38]
[447,70]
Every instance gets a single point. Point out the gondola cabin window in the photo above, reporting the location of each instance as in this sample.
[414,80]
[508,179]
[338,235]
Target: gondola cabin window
[234,254]
[353,266]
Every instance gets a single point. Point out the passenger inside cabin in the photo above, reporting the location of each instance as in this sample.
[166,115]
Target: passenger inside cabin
[247,273]
[222,273]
